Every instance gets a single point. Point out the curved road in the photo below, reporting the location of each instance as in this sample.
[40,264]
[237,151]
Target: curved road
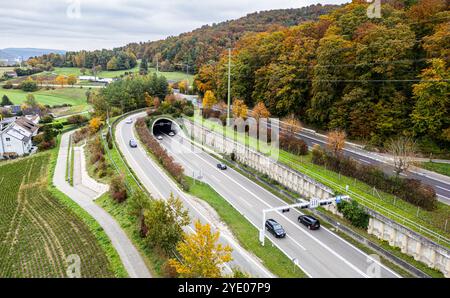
[156,181]
[319,253]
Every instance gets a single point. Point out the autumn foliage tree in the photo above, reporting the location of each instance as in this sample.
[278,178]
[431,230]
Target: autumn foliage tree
[291,124]
[209,100]
[61,80]
[201,254]
[239,109]
[336,141]
[72,80]
[95,124]
[260,112]
[165,221]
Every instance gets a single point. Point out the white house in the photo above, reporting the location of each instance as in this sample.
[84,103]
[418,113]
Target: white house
[16,135]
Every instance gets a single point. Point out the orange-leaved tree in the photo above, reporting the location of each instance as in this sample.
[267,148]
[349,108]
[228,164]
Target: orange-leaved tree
[336,141]
[61,80]
[260,111]
[209,100]
[201,254]
[240,109]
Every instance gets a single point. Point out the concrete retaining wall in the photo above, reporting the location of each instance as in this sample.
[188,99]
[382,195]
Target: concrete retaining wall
[410,242]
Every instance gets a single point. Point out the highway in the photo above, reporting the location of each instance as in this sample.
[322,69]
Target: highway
[318,253]
[161,186]
[311,138]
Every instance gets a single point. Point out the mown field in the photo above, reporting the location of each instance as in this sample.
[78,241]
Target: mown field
[58,96]
[37,232]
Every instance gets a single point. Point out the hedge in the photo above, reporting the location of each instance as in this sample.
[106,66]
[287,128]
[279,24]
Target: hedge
[410,190]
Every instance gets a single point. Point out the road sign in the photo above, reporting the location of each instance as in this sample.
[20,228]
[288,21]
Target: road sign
[314,203]
[338,199]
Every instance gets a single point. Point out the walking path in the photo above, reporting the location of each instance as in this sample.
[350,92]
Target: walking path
[84,192]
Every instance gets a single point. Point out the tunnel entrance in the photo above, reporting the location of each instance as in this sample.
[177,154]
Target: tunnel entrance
[164,127]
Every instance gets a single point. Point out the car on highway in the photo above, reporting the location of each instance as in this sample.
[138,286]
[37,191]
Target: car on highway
[222,166]
[133,143]
[310,221]
[159,137]
[129,120]
[275,228]
[171,133]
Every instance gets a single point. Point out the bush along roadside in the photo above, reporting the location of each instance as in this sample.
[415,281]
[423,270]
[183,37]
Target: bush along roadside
[410,190]
[354,213]
[174,168]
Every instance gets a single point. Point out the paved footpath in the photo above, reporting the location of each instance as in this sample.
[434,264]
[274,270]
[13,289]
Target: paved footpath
[84,194]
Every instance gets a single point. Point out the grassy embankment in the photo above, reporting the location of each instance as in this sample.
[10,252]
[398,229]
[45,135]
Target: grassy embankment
[441,168]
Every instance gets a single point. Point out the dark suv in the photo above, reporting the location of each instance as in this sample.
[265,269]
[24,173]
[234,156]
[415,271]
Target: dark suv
[275,228]
[221,166]
[311,222]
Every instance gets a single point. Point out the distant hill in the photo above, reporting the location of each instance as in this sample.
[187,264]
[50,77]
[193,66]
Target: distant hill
[208,42]
[13,55]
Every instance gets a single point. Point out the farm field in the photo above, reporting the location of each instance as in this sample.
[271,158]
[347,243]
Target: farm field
[58,96]
[37,232]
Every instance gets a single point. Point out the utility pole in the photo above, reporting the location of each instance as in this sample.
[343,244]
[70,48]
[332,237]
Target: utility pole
[229,87]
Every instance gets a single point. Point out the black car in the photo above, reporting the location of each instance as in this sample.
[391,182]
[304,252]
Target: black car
[222,166]
[275,228]
[310,221]
[133,143]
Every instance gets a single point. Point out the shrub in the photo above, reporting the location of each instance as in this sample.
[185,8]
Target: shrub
[118,190]
[47,119]
[8,85]
[169,270]
[29,86]
[354,213]
[293,145]
[77,119]
[174,168]
[410,190]
[80,134]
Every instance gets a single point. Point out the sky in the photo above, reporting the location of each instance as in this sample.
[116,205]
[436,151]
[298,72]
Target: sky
[97,24]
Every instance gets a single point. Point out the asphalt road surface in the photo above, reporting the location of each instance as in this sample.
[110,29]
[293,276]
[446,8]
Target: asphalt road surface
[319,253]
[161,186]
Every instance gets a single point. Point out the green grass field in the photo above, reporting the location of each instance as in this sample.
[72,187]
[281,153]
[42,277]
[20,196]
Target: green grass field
[441,168]
[38,232]
[58,96]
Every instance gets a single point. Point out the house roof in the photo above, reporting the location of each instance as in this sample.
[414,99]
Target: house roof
[27,124]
